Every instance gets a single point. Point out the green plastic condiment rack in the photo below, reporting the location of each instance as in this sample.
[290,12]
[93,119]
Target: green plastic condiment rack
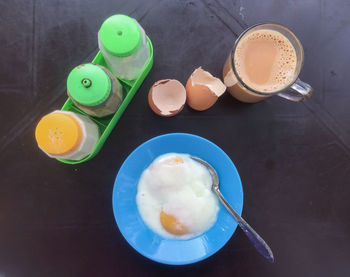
[106,124]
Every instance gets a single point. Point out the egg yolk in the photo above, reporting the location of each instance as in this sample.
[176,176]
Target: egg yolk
[174,161]
[178,160]
[171,225]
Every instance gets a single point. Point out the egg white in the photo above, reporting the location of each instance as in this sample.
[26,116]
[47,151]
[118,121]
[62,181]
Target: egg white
[182,190]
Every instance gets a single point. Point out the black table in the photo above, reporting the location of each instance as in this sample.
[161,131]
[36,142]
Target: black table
[293,158]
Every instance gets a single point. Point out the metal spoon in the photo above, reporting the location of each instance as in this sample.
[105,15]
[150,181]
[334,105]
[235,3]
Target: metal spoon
[253,236]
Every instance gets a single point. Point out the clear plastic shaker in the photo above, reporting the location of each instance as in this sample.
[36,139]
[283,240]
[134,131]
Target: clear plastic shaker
[94,90]
[66,135]
[124,45]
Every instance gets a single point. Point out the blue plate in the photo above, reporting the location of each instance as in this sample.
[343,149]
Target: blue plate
[140,236]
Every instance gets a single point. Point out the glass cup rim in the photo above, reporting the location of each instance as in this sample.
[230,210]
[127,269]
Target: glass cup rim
[234,50]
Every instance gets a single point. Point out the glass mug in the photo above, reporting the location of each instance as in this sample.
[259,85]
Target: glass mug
[294,90]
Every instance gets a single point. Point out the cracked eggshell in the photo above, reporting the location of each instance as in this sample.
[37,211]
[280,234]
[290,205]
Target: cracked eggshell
[203,90]
[167,97]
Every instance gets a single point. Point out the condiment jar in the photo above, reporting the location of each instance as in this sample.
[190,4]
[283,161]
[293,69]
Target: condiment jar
[66,135]
[123,43]
[94,90]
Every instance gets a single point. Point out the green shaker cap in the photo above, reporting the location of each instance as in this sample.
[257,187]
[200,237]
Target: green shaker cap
[120,35]
[89,85]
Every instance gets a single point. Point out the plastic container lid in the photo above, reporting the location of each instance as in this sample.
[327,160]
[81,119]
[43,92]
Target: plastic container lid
[89,85]
[58,133]
[120,35]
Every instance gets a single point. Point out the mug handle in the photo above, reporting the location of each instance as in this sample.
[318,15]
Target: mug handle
[298,91]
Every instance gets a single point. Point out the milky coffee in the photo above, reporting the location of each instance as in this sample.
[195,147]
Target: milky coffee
[265,60]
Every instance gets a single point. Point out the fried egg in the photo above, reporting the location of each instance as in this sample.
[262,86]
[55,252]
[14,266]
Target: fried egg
[174,197]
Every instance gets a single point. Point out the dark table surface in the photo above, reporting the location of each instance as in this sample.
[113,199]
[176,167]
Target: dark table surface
[293,158]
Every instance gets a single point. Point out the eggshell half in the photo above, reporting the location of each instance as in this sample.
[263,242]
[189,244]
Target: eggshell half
[203,90]
[167,97]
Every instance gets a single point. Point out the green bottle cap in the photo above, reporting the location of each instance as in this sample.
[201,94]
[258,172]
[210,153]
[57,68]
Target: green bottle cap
[120,35]
[89,85]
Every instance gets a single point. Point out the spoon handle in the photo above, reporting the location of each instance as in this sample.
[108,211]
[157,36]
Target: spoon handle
[253,236]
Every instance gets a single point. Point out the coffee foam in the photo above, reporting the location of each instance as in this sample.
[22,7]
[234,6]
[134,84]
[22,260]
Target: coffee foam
[283,64]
